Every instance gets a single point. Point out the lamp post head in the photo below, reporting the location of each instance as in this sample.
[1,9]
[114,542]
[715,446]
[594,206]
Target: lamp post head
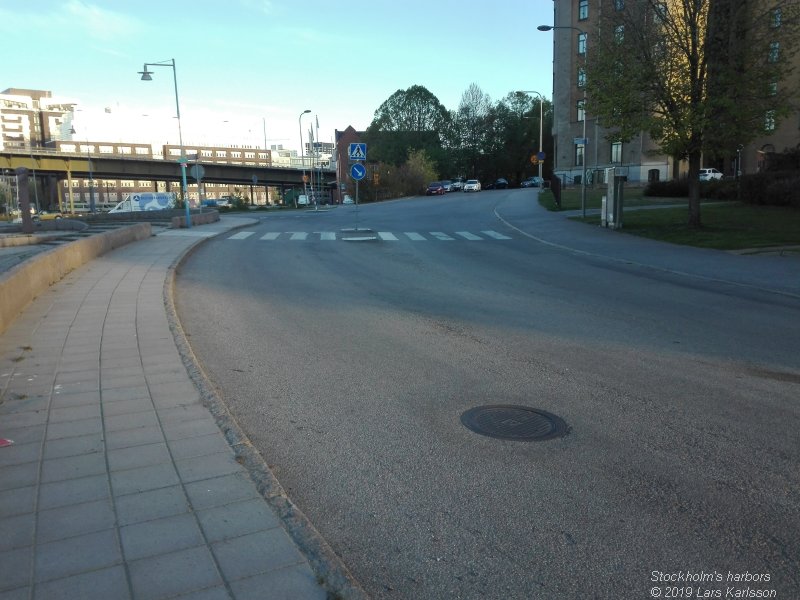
[308,110]
[544,27]
[146,75]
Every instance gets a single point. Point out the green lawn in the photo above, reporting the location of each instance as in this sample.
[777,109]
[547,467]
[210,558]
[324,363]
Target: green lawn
[725,226]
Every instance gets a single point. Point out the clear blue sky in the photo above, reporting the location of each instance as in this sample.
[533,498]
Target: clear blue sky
[245,63]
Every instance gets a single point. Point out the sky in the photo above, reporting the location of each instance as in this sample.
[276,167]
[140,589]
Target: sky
[246,67]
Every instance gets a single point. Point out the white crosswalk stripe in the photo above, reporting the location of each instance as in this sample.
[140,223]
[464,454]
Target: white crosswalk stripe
[495,235]
[387,236]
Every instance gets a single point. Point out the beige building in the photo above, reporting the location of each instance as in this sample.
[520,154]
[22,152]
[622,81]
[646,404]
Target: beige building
[579,139]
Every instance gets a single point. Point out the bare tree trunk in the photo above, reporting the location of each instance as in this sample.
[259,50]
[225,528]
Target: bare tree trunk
[694,190]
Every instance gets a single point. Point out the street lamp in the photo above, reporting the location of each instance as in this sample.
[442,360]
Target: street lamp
[541,130]
[302,153]
[147,76]
[585,144]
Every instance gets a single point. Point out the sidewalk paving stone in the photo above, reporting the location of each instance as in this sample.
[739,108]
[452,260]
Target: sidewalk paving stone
[119,483]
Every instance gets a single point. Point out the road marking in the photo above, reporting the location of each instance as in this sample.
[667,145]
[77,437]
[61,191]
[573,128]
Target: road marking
[327,236]
[387,237]
[298,235]
[441,236]
[415,237]
[495,235]
[272,235]
[242,235]
[469,236]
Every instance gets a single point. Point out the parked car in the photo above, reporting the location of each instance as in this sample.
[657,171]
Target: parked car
[448,185]
[347,199]
[709,173]
[498,184]
[531,182]
[472,185]
[435,188]
[47,215]
[458,184]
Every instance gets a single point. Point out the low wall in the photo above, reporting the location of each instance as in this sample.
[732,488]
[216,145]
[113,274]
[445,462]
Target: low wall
[197,219]
[22,283]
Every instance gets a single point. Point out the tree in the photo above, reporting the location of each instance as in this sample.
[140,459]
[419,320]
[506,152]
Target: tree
[469,127]
[680,71]
[408,120]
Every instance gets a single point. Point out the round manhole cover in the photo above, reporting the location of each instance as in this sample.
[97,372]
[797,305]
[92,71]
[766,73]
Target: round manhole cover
[519,423]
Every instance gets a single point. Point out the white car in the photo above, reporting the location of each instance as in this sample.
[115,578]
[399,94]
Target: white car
[472,185]
[347,199]
[709,174]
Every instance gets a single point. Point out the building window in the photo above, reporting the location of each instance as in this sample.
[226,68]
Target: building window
[583,9]
[581,43]
[619,33]
[579,152]
[619,4]
[773,88]
[581,77]
[774,51]
[769,121]
[616,152]
[581,110]
[775,20]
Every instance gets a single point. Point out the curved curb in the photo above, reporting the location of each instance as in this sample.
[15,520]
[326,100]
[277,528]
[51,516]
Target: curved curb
[326,564]
[628,261]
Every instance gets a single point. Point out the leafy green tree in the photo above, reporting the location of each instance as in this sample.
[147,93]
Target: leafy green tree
[699,76]
[411,119]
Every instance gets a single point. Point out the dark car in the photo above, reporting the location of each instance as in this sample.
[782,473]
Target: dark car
[497,184]
[531,182]
[435,188]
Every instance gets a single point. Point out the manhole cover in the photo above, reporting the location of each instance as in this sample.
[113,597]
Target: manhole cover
[519,423]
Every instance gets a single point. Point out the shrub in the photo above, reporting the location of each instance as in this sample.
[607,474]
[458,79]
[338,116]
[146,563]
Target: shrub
[675,188]
[773,188]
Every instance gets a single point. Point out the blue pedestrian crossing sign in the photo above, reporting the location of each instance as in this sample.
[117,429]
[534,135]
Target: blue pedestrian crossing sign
[358,171]
[357,151]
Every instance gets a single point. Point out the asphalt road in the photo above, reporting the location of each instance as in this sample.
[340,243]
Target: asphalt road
[349,365]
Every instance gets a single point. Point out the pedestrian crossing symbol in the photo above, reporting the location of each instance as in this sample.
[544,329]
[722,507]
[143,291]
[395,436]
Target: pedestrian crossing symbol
[357,151]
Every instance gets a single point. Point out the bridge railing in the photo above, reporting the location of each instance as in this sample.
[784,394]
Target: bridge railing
[54,152]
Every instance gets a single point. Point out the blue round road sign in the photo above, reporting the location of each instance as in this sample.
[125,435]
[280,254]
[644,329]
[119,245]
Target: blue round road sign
[358,171]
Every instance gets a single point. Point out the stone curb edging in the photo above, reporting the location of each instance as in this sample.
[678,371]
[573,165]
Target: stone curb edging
[326,564]
[25,281]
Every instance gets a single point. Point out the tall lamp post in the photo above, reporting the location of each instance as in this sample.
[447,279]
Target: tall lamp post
[541,125]
[147,76]
[302,152]
[585,144]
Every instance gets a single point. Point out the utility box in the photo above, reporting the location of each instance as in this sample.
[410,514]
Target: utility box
[611,213]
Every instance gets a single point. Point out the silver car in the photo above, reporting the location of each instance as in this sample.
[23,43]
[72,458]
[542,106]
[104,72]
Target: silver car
[472,185]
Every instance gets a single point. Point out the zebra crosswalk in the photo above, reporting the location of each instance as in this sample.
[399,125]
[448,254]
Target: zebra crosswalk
[386,236]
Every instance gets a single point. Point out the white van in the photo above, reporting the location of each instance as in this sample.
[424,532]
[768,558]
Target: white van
[145,201]
[302,200]
[709,174]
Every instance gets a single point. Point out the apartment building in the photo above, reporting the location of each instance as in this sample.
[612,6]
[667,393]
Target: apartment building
[580,143]
[31,117]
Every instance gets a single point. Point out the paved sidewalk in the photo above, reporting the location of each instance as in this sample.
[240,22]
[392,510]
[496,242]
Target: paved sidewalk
[119,483]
